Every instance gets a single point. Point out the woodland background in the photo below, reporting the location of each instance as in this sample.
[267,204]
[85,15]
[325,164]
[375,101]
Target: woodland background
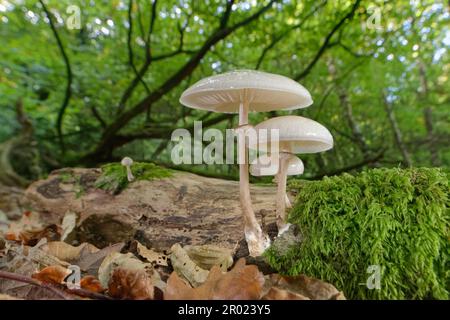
[377,71]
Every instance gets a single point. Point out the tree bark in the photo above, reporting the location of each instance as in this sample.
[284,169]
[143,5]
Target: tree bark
[185,208]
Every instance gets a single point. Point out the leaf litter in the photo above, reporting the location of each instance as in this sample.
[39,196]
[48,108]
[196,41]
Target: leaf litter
[36,263]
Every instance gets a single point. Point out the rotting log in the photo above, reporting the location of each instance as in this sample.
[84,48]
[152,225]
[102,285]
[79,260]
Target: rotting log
[185,208]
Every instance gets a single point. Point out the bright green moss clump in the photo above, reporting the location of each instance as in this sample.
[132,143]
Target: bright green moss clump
[397,219]
[114,175]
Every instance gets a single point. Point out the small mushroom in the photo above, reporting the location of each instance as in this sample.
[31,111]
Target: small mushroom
[244,91]
[127,162]
[269,166]
[296,135]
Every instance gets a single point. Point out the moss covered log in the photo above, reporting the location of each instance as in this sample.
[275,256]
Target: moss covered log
[393,218]
[114,175]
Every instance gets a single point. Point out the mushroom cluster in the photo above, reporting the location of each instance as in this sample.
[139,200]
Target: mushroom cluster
[245,91]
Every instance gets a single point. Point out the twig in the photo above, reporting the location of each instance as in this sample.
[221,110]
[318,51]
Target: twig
[59,292]
[34,282]
[89,294]
[326,44]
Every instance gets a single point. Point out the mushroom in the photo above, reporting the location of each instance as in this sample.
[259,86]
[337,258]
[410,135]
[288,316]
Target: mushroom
[127,162]
[296,135]
[268,166]
[244,91]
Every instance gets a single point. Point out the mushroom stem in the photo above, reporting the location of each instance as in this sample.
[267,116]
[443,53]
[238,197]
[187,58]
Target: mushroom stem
[281,191]
[257,241]
[287,201]
[129,174]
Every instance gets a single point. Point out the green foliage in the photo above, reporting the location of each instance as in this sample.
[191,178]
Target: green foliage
[397,219]
[114,175]
[284,40]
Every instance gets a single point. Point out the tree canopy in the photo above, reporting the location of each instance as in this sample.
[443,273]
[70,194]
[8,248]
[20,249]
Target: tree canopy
[110,86]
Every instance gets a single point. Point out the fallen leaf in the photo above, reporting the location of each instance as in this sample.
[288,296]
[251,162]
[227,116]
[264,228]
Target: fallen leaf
[131,284]
[38,255]
[207,256]
[29,230]
[69,223]
[151,256]
[280,294]
[90,262]
[92,284]
[126,262]
[65,251]
[185,267]
[240,283]
[311,288]
[52,274]
[26,260]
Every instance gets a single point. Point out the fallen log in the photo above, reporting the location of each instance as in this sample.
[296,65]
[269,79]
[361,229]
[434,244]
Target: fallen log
[184,208]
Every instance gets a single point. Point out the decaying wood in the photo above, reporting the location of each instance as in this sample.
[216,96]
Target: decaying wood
[152,212]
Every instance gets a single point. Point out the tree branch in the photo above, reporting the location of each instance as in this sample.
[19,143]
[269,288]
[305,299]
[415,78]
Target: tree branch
[326,44]
[68,92]
[122,120]
[138,77]
[59,292]
[280,37]
[165,132]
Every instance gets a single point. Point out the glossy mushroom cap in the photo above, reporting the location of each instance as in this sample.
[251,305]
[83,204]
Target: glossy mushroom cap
[296,135]
[264,91]
[268,166]
[127,161]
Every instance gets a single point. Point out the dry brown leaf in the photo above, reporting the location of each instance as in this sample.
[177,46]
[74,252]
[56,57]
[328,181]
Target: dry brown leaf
[65,251]
[280,294]
[52,274]
[90,262]
[240,283]
[131,285]
[127,262]
[29,230]
[151,256]
[92,284]
[311,288]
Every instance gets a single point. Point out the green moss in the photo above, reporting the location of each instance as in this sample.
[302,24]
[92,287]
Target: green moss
[397,219]
[114,175]
[71,178]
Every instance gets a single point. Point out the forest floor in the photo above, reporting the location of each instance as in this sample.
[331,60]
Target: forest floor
[179,237]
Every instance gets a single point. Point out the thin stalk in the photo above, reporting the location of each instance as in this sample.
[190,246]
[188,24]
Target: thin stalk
[257,242]
[281,191]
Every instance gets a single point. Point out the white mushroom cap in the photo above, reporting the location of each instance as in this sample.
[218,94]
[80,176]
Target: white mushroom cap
[296,134]
[127,161]
[264,91]
[268,166]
